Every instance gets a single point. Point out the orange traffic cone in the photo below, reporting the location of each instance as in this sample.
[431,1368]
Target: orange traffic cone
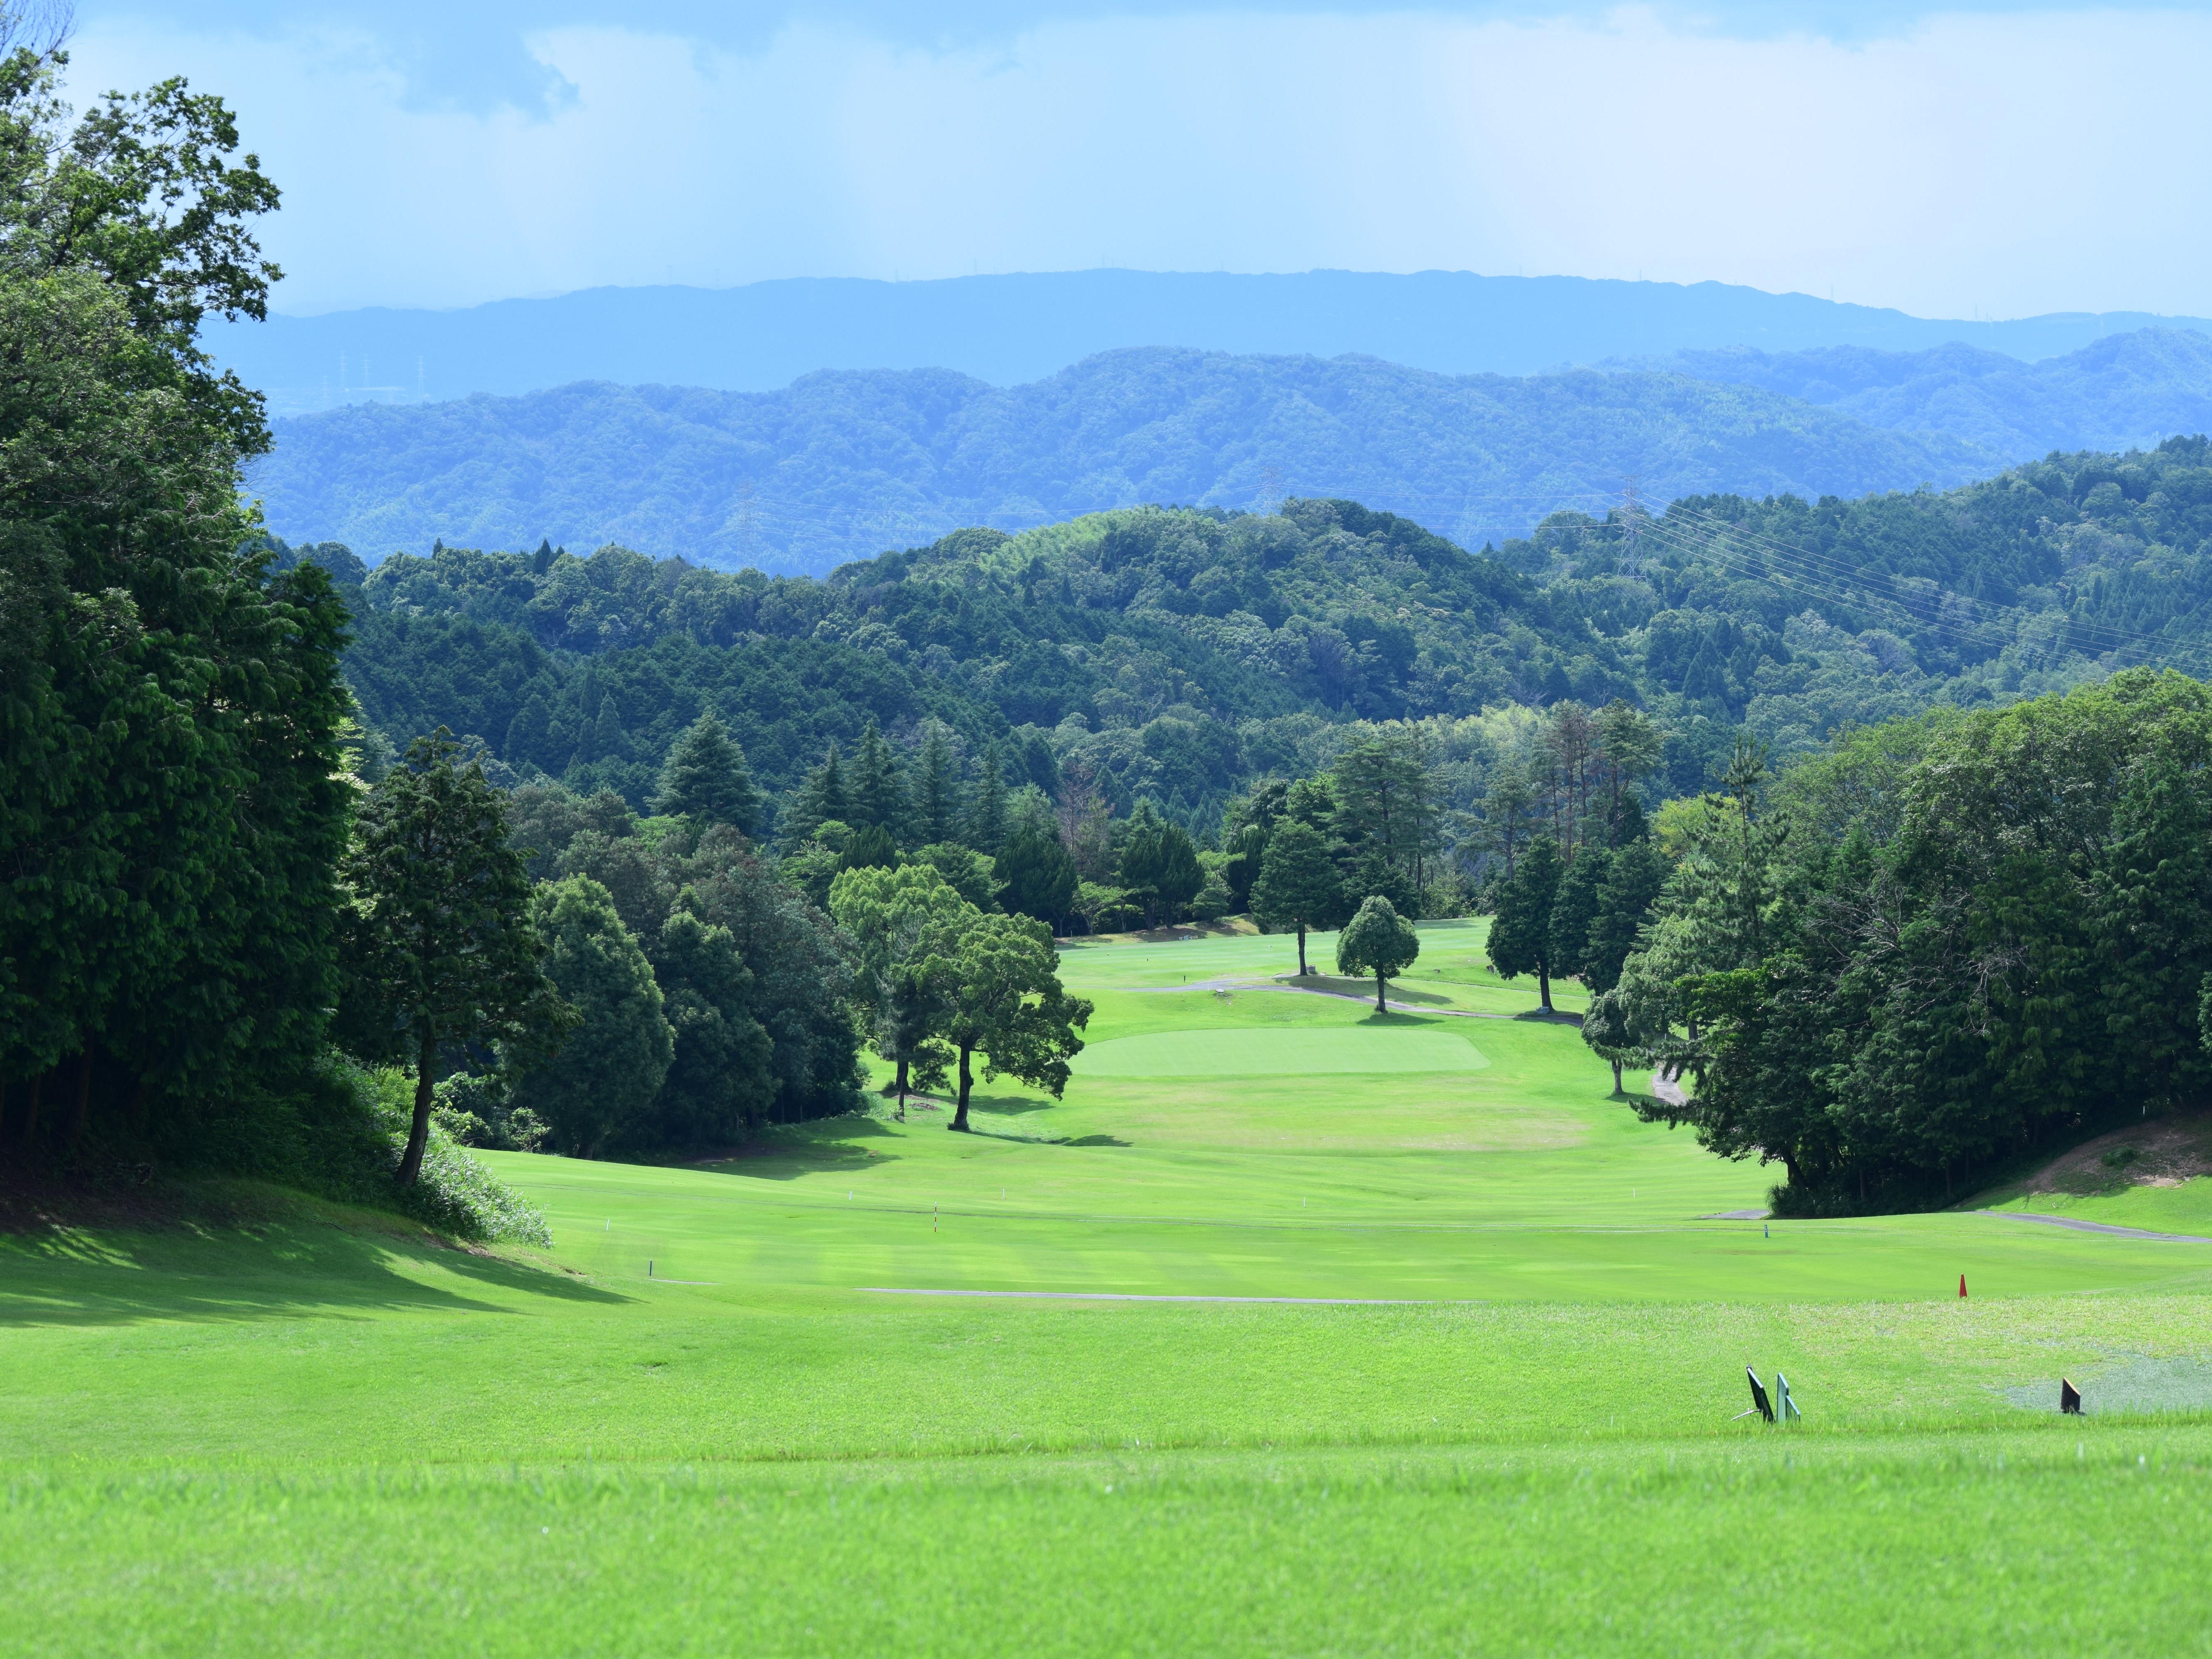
[1962,1287]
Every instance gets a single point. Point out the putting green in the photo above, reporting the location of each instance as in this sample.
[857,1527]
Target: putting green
[1275,1052]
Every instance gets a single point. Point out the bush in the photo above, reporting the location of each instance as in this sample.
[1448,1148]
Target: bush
[454,1193]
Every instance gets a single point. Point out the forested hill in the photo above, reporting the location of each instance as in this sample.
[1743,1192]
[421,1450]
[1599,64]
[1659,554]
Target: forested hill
[2126,392]
[1179,653]
[1173,652]
[839,467]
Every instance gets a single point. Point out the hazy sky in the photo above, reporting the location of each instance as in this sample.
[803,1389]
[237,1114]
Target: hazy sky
[1975,160]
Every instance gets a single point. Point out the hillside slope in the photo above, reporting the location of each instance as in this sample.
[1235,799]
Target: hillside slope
[2125,392]
[842,465]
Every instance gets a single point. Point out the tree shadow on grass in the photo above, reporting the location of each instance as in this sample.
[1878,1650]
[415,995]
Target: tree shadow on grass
[70,1276]
[801,1149]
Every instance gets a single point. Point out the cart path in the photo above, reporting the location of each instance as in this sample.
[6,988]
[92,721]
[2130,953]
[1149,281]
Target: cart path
[2098,1227]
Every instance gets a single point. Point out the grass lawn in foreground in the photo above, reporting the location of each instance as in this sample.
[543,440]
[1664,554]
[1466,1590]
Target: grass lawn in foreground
[1511,1435]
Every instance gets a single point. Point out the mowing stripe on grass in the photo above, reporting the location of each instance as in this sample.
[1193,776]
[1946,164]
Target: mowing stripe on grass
[1126,1295]
[1278,1051]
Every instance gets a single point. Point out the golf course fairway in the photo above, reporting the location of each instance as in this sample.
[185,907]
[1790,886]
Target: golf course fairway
[1293,1328]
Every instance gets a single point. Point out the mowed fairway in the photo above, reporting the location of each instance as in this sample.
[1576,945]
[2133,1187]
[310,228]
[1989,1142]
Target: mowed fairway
[1292,1329]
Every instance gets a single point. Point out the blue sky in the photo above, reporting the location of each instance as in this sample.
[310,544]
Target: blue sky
[1978,159]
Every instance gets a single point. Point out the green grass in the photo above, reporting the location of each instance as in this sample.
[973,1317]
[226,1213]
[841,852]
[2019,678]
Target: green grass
[1511,1434]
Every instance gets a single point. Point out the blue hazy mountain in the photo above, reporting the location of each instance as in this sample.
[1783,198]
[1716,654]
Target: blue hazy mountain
[2121,392]
[1011,330]
[844,465]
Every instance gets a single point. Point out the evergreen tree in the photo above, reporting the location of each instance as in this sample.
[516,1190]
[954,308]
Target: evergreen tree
[436,942]
[1377,941]
[1521,932]
[1159,863]
[172,802]
[1634,881]
[1297,885]
[823,798]
[1628,748]
[705,778]
[1576,907]
[937,807]
[871,848]
[879,793]
[986,812]
[600,1086]
[1035,874]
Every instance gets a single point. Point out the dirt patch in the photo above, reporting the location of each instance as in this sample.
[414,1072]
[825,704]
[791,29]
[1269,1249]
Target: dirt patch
[2163,1151]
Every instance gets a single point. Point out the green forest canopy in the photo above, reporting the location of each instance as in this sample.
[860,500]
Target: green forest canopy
[1180,652]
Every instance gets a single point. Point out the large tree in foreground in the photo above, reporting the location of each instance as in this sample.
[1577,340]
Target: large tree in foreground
[171,807]
[1377,941]
[437,948]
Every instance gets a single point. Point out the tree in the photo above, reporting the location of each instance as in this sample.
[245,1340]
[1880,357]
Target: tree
[1574,907]
[1007,1004]
[1521,932]
[1609,1031]
[987,811]
[970,872]
[437,943]
[1159,863]
[1629,747]
[823,798]
[1036,875]
[1297,885]
[871,846]
[721,1075]
[1105,909]
[907,924]
[1635,876]
[1506,809]
[1387,798]
[1377,941]
[172,802]
[879,797]
[705,778]
[601,1085]
[937,789]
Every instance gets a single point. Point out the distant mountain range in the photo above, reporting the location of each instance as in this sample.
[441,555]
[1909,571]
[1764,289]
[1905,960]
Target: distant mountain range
[841,465]
[1011,330]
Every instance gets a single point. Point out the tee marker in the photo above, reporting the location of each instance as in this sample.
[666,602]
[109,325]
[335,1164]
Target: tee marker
[1962,1287]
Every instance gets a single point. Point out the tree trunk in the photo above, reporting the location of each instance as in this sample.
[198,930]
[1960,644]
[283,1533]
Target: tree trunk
[1380,1008]
[31,1113]
[83,1112]
[1617,1089]
[967,1081]
[1301,950]
[897,1085]
[418,1136]
[1543,986]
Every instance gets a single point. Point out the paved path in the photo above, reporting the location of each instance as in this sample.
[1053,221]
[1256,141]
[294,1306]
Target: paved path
[2098,1227]
[1123,1295]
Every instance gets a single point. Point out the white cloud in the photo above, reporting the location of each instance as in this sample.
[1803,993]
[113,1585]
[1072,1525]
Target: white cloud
[2000,164]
